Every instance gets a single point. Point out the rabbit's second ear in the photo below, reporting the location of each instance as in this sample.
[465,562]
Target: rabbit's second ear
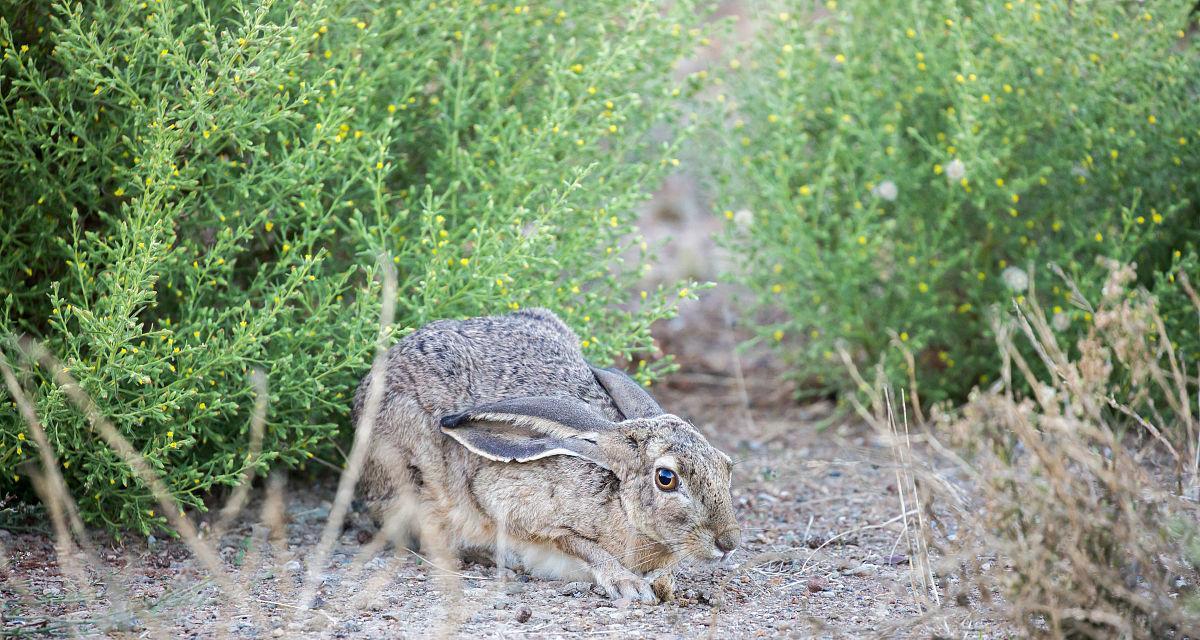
[630,397]
[505,446]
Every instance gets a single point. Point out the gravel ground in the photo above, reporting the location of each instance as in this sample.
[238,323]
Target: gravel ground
[822,552]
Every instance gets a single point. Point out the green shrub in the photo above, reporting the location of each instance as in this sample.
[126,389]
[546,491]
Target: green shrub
[194,190]
[909,167]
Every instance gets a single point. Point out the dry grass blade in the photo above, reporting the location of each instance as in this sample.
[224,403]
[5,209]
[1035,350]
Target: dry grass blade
[237,501]
[362,437]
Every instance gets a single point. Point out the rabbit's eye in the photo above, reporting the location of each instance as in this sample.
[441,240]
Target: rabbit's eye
[666,479]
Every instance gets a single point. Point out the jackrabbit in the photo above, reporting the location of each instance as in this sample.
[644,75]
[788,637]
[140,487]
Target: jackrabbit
[498,434]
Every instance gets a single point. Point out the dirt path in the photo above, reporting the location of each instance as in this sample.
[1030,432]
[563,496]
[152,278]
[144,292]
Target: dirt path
[823,501]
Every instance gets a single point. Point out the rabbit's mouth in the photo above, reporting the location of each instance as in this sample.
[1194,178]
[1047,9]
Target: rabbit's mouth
[717,556]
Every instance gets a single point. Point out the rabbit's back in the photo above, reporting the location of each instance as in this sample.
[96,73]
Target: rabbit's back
[450,365]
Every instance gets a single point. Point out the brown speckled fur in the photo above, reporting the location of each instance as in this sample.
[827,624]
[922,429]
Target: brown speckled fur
[561,516]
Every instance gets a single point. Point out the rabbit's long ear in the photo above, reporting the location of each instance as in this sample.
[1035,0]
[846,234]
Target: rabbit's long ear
[524,429]
[630,397]
[554,416]
[503,446]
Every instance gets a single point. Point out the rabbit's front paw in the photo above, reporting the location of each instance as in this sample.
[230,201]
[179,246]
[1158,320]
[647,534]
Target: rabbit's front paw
[623,583]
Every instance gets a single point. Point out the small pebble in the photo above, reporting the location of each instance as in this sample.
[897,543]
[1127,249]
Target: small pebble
[523,614]
[863,570]
[572,588]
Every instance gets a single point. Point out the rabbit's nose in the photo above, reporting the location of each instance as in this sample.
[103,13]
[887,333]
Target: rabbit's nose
[728,540]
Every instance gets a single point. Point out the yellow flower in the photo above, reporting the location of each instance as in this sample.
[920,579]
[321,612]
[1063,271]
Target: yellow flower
[922,287]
